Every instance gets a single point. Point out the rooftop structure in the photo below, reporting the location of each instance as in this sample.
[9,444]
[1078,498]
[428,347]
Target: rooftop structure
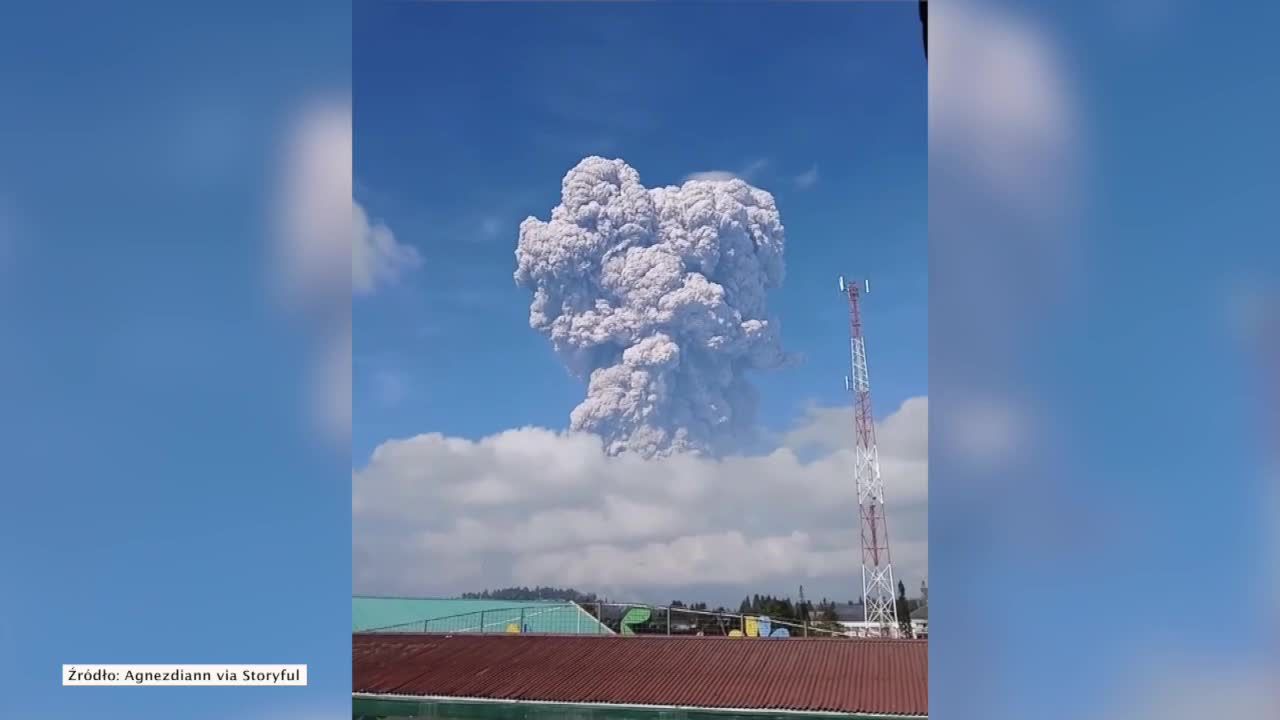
[413,675]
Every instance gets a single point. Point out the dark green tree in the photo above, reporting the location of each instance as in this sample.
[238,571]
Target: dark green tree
[829,611]
[540,593]
[903,609]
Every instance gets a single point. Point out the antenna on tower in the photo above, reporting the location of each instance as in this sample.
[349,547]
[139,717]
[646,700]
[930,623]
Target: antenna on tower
[878,603]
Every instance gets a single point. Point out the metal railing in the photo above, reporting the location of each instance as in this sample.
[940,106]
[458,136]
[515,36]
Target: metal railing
[557,619]
[604,618]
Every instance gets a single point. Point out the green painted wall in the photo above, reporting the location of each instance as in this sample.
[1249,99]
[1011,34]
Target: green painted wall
[448,615]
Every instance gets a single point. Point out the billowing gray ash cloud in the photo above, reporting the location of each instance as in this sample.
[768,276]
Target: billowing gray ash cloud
[657,297]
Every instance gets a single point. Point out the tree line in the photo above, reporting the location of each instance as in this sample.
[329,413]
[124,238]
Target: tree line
[524,594]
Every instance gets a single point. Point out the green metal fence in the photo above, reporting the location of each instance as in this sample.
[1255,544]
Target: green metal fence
[614,618]
[564,619]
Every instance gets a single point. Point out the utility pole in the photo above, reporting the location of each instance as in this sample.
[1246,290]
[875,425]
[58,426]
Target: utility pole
[804,613]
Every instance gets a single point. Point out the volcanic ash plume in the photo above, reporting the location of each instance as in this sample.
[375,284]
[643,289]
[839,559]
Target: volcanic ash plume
[657,299]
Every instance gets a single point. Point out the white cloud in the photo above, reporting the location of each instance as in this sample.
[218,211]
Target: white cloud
[710,175]
[988,430]
[490,227]
[755,168]
[376,258]
[326,249]
[999,99]
[316,216]
[808,178]
[748,173]
[831,428]
[434,514]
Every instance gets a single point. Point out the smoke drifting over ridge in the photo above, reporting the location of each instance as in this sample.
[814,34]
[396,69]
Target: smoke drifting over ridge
[657,297]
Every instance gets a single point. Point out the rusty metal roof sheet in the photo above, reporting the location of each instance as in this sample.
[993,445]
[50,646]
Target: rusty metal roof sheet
[833,675]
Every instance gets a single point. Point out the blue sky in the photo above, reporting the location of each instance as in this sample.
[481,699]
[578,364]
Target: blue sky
[1141,494]
[468,115]
[164,502]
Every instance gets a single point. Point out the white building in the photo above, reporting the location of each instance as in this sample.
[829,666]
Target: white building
[852,618]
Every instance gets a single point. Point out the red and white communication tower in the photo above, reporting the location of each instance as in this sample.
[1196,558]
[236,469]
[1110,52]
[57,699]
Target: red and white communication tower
[877,571]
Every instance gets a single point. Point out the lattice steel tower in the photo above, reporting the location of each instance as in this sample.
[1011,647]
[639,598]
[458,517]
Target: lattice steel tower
[877,570]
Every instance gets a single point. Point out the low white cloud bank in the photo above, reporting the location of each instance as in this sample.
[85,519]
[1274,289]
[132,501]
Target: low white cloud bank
[440,515]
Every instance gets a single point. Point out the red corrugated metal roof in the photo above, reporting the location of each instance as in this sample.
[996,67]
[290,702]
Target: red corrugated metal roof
[838,675]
